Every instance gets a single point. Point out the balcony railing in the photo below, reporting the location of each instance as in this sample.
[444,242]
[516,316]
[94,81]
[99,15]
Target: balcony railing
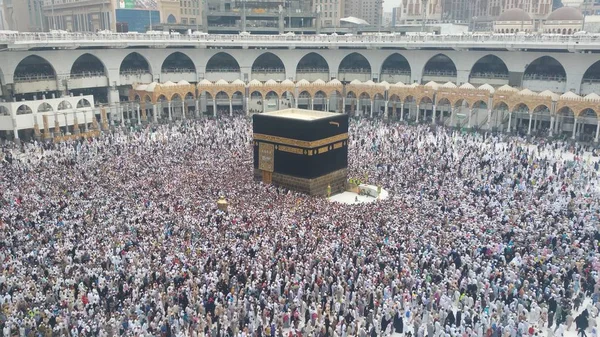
[510,39]
[87,74]
[34,77]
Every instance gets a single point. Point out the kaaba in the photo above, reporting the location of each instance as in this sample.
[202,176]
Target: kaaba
[302,150]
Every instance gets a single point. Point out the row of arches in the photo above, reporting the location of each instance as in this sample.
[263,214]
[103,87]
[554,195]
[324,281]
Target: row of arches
[35,67]
[44,107]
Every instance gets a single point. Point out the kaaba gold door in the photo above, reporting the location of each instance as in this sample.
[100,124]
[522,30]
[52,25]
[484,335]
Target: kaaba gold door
[267,177]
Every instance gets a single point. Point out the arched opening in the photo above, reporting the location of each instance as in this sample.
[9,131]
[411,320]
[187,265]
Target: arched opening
[364,105]
[500,116]
[162,112]
[354,67]
[222,99]
[462,112]
[271,101]
[190,104]
[521,115]
[545,73]
[439,68]
[87,65]
[444,107]
[335,102]
[591,79]
[395,69]
[312,67]
[378,105]
[84,103]
[177,106]
[34,68]
[564,125]
[149,107]
[171,19]
[45,107]
[489,69]
[134,64]
[319,101]
[304,100]
[425,113]
[410,107]
[24,110]
[237,101]
[178,63]
[64,105]
[222,63]
[268,66]
[540,123]
[394,108]
[287,100]
[255,102]
[351,103]
[480,117]
[587,126]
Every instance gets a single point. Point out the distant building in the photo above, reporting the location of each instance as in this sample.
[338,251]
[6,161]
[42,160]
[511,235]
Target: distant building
[368,10]
[411,11]
[387,19]
[81,15]
[514,21]
[3,24]
[23,15]
[565,20]
[137,20]
[98,15]
[330,12]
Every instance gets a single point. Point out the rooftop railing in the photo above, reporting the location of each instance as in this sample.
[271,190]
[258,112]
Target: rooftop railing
[15,38]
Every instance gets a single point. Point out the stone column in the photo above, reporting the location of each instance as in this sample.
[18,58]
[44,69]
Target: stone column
[433,115]
[551,126]
[530,122]
[16,130]
[574,128]
[343,104]
[248,105]
[418,112]
[312,103]
[489,119]
[139,120]
[402,112]
[46,127]
[76,130]
[470,117]
[372,107]
[509,122]
[385,110]
[230,107]
[452,116]
[154,113]
[215,106]
[36,127]
[103,118]
[597,131]
[85,122]
[170,109]
[66,125]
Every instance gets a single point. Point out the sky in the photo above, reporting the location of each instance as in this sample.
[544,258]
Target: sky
[389,4]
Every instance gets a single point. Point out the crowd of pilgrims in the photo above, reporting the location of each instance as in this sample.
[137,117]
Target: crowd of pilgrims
[482,235]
